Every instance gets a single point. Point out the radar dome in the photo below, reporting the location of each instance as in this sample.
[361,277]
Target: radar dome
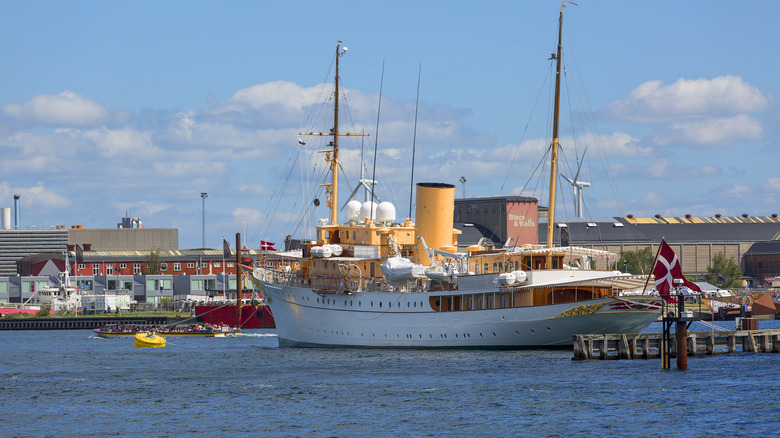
[368,209]
[353,210]
[385,213]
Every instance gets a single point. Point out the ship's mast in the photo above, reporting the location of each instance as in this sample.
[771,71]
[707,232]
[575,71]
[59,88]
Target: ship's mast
[332,155]
[555,144]
[334,162]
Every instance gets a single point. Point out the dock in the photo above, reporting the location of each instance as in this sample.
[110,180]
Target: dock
[648,345]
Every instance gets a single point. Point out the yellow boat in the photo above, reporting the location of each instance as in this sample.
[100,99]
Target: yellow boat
[148,339]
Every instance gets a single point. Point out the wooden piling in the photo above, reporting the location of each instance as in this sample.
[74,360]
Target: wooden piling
[650,345]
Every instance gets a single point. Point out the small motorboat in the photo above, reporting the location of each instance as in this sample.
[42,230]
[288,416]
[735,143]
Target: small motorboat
[148,339]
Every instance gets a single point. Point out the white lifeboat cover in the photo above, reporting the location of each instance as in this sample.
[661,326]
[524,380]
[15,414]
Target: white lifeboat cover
[520,276]
[506,278]
[334,249]
[399,269]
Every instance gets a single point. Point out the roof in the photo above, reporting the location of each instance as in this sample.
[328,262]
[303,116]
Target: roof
[497,198]
[472,233]
[771,247]
[649,230]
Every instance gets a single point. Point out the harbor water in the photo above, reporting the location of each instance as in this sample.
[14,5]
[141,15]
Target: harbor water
[70,383]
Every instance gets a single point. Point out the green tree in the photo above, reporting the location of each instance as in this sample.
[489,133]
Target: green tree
[152,264]
[639,262]
[720,268]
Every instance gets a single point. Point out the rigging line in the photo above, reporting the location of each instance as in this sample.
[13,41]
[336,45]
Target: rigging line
[414,140]
[323,88]
[525,130]
[490,52]
[376,137]
[290,166]
[597,141]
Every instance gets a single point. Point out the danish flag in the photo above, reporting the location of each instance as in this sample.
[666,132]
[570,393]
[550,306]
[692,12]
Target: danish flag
[667,268]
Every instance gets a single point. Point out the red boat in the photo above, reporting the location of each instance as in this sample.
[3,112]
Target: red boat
[252,316]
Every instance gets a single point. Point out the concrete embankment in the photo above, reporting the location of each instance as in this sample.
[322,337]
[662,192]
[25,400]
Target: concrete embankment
[82,323]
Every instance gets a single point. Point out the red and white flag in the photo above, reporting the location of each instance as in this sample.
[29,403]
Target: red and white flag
[668,268]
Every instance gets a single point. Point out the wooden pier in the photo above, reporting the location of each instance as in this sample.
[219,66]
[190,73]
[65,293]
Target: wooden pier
[648,345]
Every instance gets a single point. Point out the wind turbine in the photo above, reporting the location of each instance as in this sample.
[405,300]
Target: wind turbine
[578,185]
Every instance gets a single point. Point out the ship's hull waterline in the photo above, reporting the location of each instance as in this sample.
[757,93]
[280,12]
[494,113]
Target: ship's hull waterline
[406,320]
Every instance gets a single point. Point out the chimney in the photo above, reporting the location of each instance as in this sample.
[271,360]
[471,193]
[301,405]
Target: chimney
[16,212]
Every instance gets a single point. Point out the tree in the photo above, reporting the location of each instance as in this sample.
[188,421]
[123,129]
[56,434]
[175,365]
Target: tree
[152,264]
[724,273]
[639,262]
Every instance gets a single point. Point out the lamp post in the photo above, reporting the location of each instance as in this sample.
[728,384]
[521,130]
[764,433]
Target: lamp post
[203,196]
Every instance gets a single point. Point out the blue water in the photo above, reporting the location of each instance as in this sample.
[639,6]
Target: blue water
[72,384]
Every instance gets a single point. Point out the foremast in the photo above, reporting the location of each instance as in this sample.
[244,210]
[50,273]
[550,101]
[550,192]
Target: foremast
[332,155]
[554,145]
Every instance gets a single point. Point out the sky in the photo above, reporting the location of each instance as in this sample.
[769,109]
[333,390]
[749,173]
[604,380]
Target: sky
[135,108]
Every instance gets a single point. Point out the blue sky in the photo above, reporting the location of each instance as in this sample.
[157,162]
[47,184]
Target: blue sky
[138,107]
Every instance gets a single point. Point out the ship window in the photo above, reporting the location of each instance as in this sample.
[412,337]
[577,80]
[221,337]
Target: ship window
[177,266]
[476,268]
[503,301]
[469,303]
[489,302]
[495,267]
[163,266]
[354,235]
[95,269]
[479,303]
[486,268]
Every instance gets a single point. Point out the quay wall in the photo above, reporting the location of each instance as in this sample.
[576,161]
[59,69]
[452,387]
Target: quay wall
[81,323]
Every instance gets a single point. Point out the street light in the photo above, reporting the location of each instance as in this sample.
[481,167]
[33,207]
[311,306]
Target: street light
[203,196]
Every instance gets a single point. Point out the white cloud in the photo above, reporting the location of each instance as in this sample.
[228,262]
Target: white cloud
[248,215]
[63,109]
[653,102]
[253,190]
[772,185]
[36,197]
[126,142]
[712,132]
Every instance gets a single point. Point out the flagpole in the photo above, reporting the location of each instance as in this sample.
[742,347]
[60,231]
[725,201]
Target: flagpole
[224,292]
[647,280]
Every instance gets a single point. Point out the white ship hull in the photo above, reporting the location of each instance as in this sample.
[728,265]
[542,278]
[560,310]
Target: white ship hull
[407,320]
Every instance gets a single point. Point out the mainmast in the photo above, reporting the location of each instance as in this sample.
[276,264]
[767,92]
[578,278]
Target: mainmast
[554,145]
[334,162]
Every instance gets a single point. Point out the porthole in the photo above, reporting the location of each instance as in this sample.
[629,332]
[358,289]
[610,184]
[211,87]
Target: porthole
[549,329]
